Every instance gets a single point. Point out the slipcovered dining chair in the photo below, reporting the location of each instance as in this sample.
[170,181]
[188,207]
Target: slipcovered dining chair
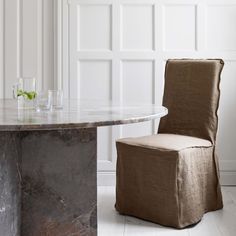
[172,177]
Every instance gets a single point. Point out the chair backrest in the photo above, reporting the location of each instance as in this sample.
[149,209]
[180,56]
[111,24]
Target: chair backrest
[191,95]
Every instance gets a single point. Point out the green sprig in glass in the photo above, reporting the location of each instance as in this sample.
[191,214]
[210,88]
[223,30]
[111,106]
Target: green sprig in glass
[27,95]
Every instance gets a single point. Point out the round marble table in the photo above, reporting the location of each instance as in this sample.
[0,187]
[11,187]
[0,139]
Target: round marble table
[48,165]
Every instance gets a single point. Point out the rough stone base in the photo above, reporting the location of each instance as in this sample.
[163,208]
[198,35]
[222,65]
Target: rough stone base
[48,183]
[10,184]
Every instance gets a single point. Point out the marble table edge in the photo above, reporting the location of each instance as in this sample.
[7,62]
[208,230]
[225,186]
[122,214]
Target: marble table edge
[81,125]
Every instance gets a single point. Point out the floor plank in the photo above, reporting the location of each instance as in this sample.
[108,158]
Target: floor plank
[137,227]
[226,218]
[207,226]
[109,221]
[218,223]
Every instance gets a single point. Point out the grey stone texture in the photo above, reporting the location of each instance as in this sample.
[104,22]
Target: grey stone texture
[48,183]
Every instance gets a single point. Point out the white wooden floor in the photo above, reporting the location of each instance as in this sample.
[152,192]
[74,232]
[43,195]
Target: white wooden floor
[110,223]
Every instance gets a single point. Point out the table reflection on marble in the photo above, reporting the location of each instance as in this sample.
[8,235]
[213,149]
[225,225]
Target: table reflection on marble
[48,165]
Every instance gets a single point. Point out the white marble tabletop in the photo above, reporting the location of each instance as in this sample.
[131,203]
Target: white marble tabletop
[76,114]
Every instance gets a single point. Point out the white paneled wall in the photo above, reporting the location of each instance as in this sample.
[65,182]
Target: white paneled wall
[26,43]
[117,50]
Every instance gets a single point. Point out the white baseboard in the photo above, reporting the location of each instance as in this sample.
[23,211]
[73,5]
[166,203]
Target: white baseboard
[109,178]
[106,178]
[228,177]
[227,165]
[227,172]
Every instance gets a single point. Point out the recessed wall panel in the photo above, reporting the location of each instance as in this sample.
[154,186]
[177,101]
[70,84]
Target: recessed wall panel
[138,87]
[179,27]
[94,27]
[220,28]
[137,27]
[95,84]
[94,79]
[137,80]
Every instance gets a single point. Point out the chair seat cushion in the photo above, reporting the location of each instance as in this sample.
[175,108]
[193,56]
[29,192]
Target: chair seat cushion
[171,142]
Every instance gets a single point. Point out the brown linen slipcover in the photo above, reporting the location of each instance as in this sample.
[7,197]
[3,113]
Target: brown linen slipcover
[172,178]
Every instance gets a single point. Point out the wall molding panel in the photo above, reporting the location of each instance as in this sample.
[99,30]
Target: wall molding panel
[26,43]
[2,47]
[11,44]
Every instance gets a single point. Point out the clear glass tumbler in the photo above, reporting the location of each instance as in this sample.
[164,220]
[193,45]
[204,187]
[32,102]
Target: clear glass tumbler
[56,99]
[43,102]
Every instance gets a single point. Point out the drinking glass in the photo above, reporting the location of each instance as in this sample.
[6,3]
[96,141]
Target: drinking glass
[56,99]
[25,92]
[42,101]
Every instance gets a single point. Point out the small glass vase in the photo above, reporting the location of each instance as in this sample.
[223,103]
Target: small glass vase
[25,93]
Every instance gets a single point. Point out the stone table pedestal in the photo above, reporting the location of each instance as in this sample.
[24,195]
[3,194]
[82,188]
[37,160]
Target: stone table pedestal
[48,182]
